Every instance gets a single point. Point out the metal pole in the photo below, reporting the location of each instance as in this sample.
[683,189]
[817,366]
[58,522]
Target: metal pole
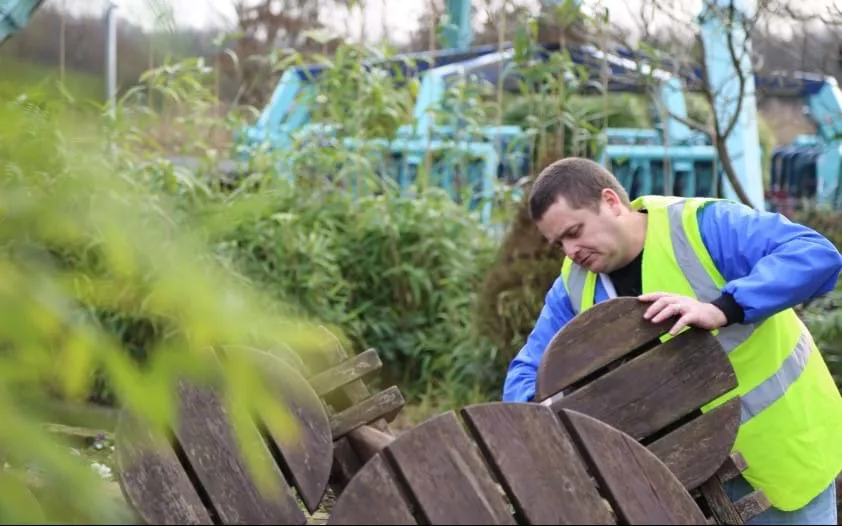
[111,55]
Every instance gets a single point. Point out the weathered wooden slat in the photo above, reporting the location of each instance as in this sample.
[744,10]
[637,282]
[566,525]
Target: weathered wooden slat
[384,404]
[350,370]
[346,462]
[367,441]
[721,507]
[535,460]
[308,456]
[695,451]
[372,497]
[752,505]
[207,438]
[658,388]
[350,394]
[640,487]
[604,333]
[446,476]
[152,479]
[732,467]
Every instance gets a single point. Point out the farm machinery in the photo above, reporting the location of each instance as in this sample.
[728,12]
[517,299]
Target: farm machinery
[669,158]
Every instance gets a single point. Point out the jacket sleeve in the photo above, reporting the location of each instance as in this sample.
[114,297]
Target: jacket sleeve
[521,376]
[769,263]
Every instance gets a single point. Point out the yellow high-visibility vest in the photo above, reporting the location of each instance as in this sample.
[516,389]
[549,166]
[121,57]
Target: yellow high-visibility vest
[791,424]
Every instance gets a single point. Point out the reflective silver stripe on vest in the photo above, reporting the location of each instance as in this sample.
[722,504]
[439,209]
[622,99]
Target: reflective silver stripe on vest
[701,282]
[774,387]
[576,285]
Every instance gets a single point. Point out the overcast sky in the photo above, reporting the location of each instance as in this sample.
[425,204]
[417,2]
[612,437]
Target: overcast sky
[399,16]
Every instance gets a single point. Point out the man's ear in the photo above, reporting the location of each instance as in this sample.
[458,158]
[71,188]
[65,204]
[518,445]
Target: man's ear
[613,201]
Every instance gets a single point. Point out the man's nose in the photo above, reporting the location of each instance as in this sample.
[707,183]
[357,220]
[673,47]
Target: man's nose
[570,248]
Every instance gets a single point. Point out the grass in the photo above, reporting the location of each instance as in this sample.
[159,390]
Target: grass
[19,76]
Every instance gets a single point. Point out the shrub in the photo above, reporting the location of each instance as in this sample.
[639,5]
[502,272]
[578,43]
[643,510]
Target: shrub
[396,273]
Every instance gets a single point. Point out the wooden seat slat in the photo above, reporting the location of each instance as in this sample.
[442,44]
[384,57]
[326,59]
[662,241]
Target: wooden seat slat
[199,475]
[658,388]
[208,441]
[537,463]
[641,488]
[152,478]
[446,476]
[687,450]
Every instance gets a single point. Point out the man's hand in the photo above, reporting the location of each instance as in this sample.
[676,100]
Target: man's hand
[692,312]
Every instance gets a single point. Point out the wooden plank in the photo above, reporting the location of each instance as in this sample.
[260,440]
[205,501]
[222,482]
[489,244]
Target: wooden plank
[345,460]
[367,441]
[720,504]
[695,451]
[152,479]
[309,455]
[602,334]
[372,497]
[208,440]
[535,460]
[346,372]
[640,487]
[352,393]
[658,388]
[384,403]
[732,467]
[446,476]
[752,505]
[346,463]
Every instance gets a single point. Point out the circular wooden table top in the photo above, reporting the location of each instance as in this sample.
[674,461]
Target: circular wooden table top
[507,463]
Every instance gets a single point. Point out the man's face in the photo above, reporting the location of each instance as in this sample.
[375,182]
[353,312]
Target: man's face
[593,239]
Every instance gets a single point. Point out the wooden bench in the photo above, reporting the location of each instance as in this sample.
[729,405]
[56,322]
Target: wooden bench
[198,474]
[507,463]
[359,417]
[609,363]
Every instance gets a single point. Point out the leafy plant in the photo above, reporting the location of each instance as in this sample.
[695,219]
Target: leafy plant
[81,237]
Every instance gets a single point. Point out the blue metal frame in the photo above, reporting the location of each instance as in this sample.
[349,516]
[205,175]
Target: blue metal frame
[14,15]
[638,156]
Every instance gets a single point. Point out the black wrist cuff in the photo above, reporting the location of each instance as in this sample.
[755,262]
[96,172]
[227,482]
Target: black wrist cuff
[729,306]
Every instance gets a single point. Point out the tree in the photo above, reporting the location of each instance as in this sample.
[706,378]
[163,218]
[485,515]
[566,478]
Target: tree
[746,51]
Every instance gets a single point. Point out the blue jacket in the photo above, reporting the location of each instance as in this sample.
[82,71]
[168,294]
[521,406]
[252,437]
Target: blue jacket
[768,262]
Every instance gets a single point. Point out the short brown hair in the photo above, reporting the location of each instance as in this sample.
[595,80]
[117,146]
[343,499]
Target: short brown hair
[580,181]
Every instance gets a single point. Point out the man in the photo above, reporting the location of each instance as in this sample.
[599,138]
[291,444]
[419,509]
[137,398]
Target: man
[715,265]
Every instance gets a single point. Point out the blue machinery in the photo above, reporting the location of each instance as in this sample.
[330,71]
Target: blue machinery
[14,15]
[638,157]
[807,168]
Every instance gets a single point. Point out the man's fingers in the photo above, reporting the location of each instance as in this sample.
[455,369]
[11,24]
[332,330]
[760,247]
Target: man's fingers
[682,322]
[659,305]
[652,296]
[669,311]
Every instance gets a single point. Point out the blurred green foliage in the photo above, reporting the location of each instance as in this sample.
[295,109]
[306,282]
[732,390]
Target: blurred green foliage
[84,245]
